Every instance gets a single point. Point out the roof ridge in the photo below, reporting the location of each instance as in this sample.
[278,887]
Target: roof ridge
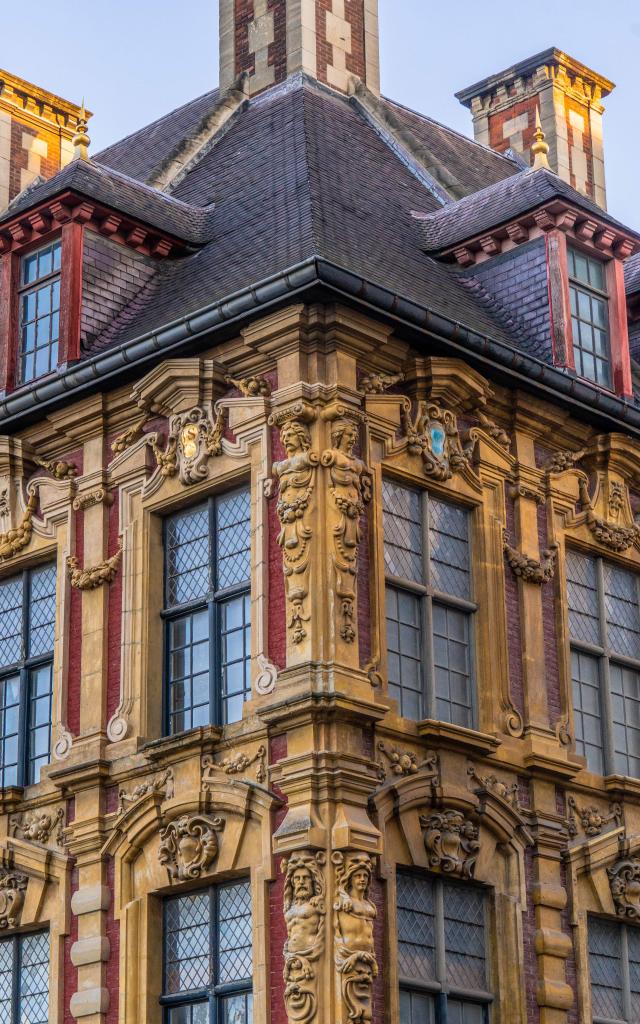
[152,124]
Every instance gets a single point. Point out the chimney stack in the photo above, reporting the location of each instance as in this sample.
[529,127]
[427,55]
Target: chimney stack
[567,95]
[331,40]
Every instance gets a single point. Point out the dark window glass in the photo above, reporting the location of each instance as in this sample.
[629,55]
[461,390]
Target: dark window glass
[604,627]
[208,612]
[24,979]
[589,318]
[27,627]
[208,956]
[614,968]
[429,607]
[39,312]
[442,961]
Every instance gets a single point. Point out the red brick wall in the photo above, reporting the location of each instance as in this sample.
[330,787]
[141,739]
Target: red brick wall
[571,105]
[278,48]
[354,14]
[75,638]
[549,631]
[245,60]
[497,140]
[377,894]
[49,165]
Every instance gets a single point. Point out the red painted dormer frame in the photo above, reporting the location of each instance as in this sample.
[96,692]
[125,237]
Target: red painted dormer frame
[66,217]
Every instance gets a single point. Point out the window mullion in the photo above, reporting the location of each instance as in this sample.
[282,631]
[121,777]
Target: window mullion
[215,680]
[15,981]
[426,617]
[626,974]
[441,965]
[604,677]
[215,957]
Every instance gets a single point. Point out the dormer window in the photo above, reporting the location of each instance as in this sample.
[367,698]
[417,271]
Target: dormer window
[589,317]
[39,312]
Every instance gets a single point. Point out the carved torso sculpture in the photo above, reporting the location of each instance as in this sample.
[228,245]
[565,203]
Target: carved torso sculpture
[354,944]
[304,913]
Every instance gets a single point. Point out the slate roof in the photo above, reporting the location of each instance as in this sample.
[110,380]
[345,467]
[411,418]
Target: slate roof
[501,202]
[124,194]
[632,274]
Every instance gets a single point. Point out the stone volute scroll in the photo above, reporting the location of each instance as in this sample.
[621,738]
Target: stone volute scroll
[354,949]
[624,879]
[296,482]
[304,914]
[189,846]
[350,489]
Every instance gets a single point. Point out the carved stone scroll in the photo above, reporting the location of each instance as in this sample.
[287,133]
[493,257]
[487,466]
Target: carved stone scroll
[530,569]
[90,579]
[304,915]
[591,819]
[491,784]
[267,677]
[61,470]
[433,435]
[236,765]
[39,826]
[624,880]
[354,949]
[189,846]
[90,498]
[12,889]
[162,784]
[350,487]
[451,843]
[296,477]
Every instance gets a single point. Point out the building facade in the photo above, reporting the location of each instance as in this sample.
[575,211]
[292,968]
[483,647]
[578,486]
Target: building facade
[319,555]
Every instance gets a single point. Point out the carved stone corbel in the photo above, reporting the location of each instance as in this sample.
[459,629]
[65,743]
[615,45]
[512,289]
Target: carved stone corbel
[130,436]
[39,826]
[189,846]
[251,387]
[563,460]
[354,950]
[90,579]
[161,784]
[296,480]
[624,880]
[378,383]
[13,886]
[304,915]
[91,498]
[350,487]
[496,432]
[235,765]
[451,842]
[530,569]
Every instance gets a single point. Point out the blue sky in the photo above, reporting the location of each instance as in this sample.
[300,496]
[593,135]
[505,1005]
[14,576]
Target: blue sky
[136,59]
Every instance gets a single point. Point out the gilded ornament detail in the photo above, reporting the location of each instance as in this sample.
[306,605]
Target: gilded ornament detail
[189,846]
[304,915]
[198,435]
[130,436]
[61,470]
[451,842]
[354,949]
[433,435]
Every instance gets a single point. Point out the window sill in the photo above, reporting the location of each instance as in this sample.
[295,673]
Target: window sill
[203,738]
[457,737]
[621,785]
[10,799]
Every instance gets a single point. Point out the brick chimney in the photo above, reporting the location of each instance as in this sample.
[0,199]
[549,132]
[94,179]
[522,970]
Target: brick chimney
[36,129]
[569,97]
[331,40]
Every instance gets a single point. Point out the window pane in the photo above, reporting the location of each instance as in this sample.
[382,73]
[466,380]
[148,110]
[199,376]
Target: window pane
[449,549]
[187,943]
[238,1009]
[7,947]
[42,611]
[587,711]
[9,728]
[39,713]
[34,979]
[605,962]
[235,933]
[404,646]
[625,703]
[233,529]
[11,621]
[416,928]
[416,1008]
[196,1013]
[402,519]
[451,654]
[465,1013]
[188,671]
[622,613]
[188,557]
[236,655]
[464,933]
[582,596]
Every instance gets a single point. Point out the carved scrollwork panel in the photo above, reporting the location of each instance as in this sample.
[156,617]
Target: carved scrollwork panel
[433,435]
[39,826]
[13,886]
[189,846]
[624,879]
[451,842]
[162,784]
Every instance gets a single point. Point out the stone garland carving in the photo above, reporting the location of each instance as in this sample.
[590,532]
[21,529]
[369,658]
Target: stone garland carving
[235,765]
[354,949]
[60,470]
[451,842]
[624,880]
[491,784]
[560,461]
[13,541]
[378,383]
[39,826]
[616,538]
[407,763]
[530,569]
[433,435]
[591,819]
[350,488]
[130,436]
[189,846]
[304,915]
[167,460]
[162,784]
[90,498]
[250,387]
[12,889]
[90,579]
[296,478]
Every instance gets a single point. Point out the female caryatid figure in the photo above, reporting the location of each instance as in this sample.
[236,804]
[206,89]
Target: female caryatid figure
[354,916]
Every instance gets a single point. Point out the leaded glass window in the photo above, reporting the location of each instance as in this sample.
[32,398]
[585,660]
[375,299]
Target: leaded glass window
[24,979]
[208,956]
[39,311]
[614,967]
[208,612]
[27,630]
[429,605]
[442,962]
[604,627]
[589,317]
